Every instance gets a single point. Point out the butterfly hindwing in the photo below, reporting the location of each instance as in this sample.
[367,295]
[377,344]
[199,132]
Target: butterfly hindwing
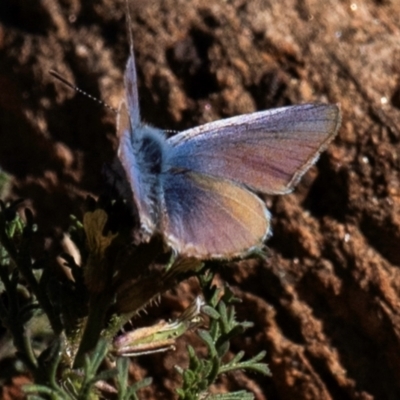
[208,217]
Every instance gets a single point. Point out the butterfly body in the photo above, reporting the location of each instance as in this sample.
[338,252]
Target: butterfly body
[144,171]
[198,188]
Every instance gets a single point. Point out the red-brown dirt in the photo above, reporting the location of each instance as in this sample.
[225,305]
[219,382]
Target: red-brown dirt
[326,303]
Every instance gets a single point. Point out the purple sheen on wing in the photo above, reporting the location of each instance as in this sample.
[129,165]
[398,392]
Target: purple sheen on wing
[209,218]
[132,96]
[267,151]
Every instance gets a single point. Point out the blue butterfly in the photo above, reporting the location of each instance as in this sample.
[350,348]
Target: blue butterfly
[198,188]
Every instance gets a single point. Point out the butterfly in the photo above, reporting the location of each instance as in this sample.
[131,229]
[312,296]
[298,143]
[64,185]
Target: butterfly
[199,188]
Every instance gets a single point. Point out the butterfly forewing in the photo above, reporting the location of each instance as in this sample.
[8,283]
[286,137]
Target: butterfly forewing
[267,151]
[131,91]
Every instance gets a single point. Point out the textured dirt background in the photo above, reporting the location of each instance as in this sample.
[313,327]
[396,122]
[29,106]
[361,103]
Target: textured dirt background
[326,304]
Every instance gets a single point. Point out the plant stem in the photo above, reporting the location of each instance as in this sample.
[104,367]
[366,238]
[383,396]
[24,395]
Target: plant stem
[98,306]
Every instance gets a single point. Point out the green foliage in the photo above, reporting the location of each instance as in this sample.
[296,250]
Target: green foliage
[81,311]
[201,373]
[90,382]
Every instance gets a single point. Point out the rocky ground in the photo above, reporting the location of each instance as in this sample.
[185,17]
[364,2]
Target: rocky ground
[326,303]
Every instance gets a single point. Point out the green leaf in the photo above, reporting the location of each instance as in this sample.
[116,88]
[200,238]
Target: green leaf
[211,312]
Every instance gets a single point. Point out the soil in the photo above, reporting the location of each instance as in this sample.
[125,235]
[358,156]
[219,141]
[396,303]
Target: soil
[326,302]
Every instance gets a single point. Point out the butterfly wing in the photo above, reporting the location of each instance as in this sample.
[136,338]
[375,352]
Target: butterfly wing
[128,128]
[131,91]
[208,217]
[267,151]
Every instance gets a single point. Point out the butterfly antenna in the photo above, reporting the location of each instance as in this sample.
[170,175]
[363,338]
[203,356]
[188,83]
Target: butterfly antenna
[56,75]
